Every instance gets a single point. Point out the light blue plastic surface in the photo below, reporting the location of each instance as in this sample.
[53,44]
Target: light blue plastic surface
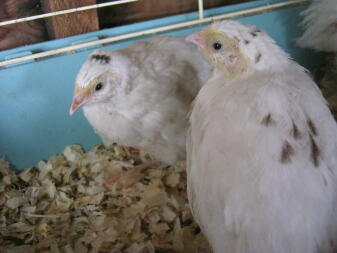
[35,97]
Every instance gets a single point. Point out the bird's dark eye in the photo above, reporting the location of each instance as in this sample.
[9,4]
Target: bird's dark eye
[98,86]
[217,45]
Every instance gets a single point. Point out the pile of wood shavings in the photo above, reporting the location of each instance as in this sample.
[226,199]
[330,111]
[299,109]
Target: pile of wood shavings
[62,205]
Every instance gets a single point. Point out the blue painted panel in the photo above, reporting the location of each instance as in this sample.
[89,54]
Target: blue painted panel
[35,97]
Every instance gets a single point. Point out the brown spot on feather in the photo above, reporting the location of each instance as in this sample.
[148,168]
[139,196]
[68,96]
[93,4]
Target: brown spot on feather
[258,58]
[268,120]
[312,127]
[296,133]
[315,151]
[287,152]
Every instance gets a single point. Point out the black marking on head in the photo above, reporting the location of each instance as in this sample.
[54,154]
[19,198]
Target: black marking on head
[268,120]
[312,127]
[295,132]
[103,59]
[258,57]
[287,152]
[255,32]
[246,42]
[315,151]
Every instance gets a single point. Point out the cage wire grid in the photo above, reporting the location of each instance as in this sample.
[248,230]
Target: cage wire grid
[201,20]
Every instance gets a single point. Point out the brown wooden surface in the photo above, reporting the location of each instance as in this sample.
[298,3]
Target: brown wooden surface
[82,22]
[70,24]
[150,9]
[24,33]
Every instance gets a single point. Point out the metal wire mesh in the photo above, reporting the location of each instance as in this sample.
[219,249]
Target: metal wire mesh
[199,21]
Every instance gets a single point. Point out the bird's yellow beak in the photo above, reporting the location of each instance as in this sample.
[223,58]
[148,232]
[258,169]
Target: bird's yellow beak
[78,101]
[197,39]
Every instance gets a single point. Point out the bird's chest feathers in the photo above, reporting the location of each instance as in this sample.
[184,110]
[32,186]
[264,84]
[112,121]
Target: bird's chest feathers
[109,122]
[124,120]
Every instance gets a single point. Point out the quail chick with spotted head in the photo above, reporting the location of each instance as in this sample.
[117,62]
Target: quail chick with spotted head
[261,149]
[140,96]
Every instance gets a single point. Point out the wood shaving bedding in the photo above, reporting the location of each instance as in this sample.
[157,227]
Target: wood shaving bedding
[62,205]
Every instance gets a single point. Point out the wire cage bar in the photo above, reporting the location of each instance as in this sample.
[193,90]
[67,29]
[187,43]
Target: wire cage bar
[201,9]
[58,13]
[199,21]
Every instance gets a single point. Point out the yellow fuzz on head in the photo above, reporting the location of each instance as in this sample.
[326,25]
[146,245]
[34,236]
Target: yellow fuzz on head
[90,87]
[229,58]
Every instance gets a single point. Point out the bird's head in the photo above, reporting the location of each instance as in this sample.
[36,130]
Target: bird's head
[234,48]
[99,79]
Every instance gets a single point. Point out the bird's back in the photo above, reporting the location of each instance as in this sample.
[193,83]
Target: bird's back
[268,145]
[159,48]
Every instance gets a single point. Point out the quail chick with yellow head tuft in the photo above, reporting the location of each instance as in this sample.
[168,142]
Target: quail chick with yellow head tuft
[261,149]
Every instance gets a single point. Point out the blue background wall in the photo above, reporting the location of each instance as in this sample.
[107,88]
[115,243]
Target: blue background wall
[35,97]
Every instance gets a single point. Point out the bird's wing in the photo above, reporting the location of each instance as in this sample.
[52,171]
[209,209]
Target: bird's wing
[272,136]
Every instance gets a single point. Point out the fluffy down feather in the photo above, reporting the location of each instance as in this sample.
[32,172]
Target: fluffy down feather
[320,22]
[22,33]
[140,96]
[261,150]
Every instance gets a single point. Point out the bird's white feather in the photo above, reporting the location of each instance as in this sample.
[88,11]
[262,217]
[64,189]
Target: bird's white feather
[320,23]
[254,183]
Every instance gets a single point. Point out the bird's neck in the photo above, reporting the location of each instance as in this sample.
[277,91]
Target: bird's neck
[229,77]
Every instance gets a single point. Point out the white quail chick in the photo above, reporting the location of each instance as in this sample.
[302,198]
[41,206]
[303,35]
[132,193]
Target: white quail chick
[261,149]
[140,96]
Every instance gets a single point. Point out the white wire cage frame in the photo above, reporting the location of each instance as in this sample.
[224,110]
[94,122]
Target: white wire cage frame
[199,21]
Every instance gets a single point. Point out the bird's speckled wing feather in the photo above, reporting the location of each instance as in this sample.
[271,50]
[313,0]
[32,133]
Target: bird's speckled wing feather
[269,147]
